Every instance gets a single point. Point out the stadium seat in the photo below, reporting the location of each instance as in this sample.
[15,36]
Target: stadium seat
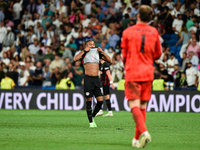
[166,36]
[171,42]
[173,36]
[177,55]
[172,49]
[178,48]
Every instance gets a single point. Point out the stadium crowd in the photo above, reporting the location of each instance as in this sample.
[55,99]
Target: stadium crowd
[39,39]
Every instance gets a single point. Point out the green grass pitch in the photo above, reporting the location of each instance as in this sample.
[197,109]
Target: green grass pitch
[69,130]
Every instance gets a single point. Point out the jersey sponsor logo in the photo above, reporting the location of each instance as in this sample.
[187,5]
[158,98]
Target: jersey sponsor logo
[87,93]
[106,68]
[101,90]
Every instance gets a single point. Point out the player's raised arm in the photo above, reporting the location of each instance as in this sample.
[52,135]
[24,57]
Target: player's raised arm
[80,55]
[105,56]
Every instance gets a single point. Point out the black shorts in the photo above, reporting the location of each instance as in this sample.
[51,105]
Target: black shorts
[92,86]
[106,90]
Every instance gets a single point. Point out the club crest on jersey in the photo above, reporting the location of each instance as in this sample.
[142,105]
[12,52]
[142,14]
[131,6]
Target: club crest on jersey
[87,93]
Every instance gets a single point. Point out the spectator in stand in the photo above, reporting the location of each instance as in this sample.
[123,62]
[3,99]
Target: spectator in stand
[177,24]
[170,63]
[47,63]
[99,14]
[67,53]
[46,21]
[56,63]
[39,56]
[103,45]
[2,16]
[31,7]
[13,73]
[97,40]
[45,40]
[31,71]
[72,45]
[34,48]
[193,47]
[46,77]
[184,61]
[5,59]
[164,73]
[40,7]
[176,11]
[79,41]
[185,36]
[89,36]
[48,11]
[190,23]
[24,75]
[104,27]
[164,60]
[78,74]
[159,27]
[85,21]
[113,39]
[9,23]
[55,75]
[125,21]
[17,8]
[110,52]
[117,68]
[39,33]
[88,6]
[50,33]
[49,54]
[163,10]
[30,36]
[177,75]
[170,4]
[191,76]
[3,32]
[182,81]
[9,38]
[194,60]
[37,77]
[62,9]
[134,11]
[2,73]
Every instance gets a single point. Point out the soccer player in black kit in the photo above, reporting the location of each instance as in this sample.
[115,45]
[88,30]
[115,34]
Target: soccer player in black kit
[90,57]
[106,81]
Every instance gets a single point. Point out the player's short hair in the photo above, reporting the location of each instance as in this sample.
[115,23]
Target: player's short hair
[87,42]
[145,13]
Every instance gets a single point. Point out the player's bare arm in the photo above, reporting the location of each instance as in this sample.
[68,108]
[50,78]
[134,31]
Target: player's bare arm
[110,79]
[105,56]
[79,56]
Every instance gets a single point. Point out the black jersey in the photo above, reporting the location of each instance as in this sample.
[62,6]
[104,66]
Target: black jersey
[104,78]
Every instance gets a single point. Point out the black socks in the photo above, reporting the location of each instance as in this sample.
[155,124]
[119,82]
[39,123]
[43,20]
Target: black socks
[97,108]
[89,110]
[108,104]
